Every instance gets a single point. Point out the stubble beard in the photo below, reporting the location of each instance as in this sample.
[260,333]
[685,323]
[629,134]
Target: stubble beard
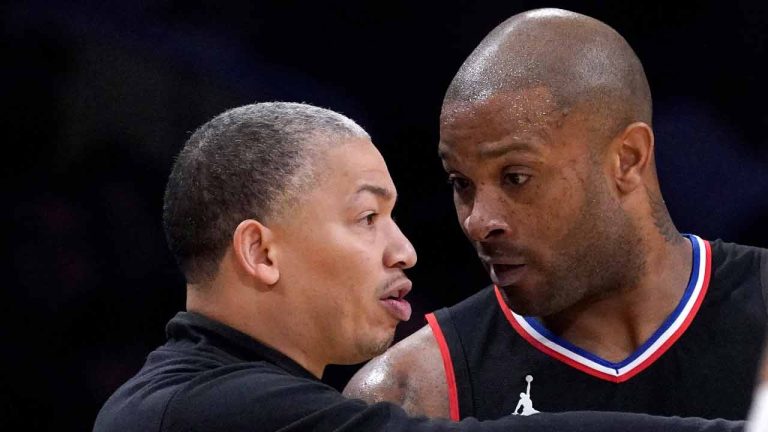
[602,255]
[373,348]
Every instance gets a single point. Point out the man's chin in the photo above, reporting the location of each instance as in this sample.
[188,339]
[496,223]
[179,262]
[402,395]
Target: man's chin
[369,349]
[381,347]
[527,303]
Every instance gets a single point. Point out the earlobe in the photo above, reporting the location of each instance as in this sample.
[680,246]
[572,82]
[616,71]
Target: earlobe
[634,156]
[252,244]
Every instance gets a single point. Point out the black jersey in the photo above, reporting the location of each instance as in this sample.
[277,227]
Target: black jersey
[701,362]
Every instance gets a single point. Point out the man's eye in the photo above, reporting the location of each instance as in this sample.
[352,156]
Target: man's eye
[370,218]
[516,179]
[458,183]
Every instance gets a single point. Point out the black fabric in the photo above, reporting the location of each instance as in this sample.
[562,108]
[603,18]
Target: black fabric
[460,366]
[209,377]
[709,372]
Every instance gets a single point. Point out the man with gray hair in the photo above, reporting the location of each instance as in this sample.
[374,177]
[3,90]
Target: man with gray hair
[597,302]
[280,216]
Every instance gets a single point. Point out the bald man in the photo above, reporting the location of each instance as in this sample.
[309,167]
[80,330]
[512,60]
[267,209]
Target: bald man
[597,301]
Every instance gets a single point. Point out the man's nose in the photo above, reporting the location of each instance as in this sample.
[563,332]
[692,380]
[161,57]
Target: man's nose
[487,219]
[400,252]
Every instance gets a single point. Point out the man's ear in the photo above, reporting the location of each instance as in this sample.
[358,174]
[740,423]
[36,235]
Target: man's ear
[252,246]
[633,156]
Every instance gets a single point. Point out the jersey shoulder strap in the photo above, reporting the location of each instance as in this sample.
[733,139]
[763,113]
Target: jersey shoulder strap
[446,325]
[454,364]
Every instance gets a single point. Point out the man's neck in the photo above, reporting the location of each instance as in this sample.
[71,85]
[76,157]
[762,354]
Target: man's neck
[615,325]
[257,320]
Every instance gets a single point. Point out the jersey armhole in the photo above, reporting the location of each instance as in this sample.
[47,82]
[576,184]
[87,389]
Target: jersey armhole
[450,376]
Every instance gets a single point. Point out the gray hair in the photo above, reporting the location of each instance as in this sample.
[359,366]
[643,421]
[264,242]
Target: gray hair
[250,162]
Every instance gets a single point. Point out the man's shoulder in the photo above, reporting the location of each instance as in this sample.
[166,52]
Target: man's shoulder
[140,402]
[735,261]
[410,374]
[736,251]
[738,267]
[174,384]
[413,356]
[240,393]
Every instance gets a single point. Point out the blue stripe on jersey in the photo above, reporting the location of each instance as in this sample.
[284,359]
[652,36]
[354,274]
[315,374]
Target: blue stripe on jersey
[539,327]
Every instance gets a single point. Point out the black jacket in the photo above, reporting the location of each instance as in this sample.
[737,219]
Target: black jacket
[210,377]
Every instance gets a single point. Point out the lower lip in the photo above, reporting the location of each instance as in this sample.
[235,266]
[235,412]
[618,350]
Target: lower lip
[398,308]
[505,275]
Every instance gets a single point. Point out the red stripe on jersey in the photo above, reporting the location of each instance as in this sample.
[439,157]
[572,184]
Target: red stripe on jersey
[686,323]
[545,349]
[640,367]
[450,377]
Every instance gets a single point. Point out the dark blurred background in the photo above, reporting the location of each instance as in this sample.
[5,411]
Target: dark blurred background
[98,98]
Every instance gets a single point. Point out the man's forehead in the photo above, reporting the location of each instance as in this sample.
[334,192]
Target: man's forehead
[358,168]
[345,160]
[518,118]
[528,105]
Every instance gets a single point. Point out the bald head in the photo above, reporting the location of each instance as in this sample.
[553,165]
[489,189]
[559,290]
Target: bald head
[582,62]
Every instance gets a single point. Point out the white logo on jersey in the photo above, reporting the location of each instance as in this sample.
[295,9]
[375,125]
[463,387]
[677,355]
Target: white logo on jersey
[525,401]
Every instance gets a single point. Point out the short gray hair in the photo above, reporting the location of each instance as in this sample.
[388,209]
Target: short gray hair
[247,163]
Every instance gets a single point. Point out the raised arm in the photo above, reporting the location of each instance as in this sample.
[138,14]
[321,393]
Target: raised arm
[410,374]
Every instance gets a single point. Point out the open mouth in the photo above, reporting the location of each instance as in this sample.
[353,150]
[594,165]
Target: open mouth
[507,274]
[395,303]
[396,295]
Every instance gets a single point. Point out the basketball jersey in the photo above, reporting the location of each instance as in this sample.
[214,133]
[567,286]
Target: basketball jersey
[702,361]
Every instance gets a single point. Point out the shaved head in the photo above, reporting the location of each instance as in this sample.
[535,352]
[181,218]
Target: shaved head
[582,62]
[545,134]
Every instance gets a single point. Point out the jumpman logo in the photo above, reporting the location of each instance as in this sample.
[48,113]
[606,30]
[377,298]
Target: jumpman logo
[525,401]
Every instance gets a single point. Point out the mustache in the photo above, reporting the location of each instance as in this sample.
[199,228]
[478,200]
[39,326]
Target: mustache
[493,250]
[392,281]
[499,249]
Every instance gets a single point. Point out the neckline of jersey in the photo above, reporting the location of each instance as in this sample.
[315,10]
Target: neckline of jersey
[671,329]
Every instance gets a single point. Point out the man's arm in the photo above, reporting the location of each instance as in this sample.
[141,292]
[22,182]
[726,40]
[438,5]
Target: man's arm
[410,374]
[243,401]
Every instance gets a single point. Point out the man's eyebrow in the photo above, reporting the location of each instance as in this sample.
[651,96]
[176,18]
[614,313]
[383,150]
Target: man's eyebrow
[443,151]
[376,190]
[495,150]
